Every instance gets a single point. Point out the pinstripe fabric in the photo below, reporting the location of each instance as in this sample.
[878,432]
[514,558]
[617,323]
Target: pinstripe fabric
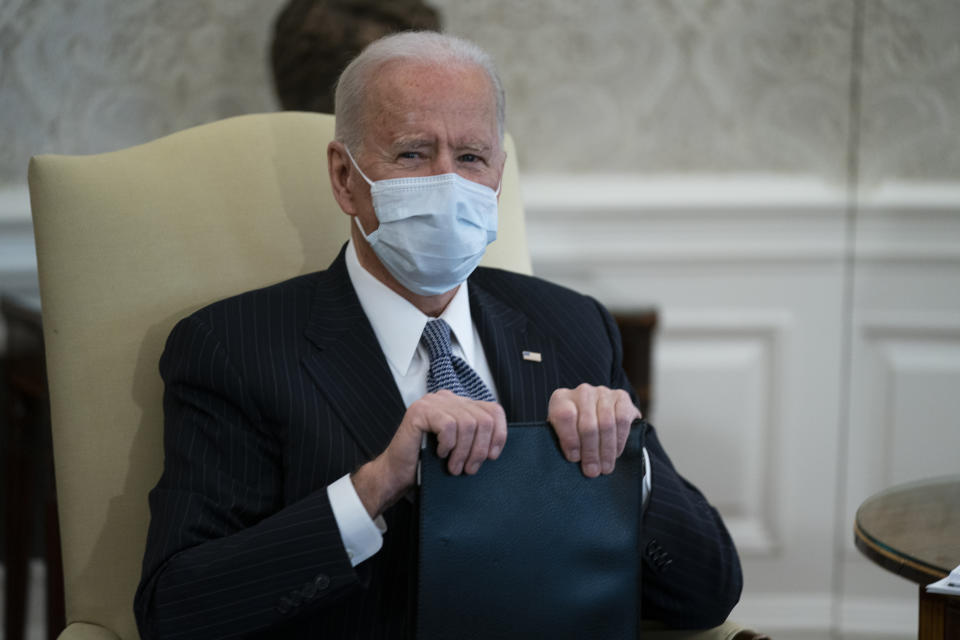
[274,394]
[447,371]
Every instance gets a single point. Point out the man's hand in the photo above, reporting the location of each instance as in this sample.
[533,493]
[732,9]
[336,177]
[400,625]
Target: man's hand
[468,433]
[592,424]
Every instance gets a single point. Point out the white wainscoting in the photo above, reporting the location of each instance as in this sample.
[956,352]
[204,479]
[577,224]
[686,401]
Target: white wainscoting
[808,356]
[731,360]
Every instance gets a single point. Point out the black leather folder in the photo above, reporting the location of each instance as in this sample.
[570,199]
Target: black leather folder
[529,547]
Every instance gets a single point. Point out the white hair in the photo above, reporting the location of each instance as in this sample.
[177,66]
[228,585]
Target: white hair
[427,47]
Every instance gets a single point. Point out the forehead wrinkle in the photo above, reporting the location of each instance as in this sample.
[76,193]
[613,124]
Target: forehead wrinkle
[406,120]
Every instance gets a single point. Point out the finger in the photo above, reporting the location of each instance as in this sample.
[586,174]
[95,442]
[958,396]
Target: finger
[443,413]
[499,438]
[481,439]
[562,414]
[466,428]
[626,412]
[607,428]
[588,431]
[445,426]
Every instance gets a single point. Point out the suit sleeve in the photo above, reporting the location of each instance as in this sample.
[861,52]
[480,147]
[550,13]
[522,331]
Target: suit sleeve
[691,573]
[225,555]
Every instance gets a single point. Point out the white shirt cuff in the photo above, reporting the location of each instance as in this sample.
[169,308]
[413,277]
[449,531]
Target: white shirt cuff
[645,492]
[361,536]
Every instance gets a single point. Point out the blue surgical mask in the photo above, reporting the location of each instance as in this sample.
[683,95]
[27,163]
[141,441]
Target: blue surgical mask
[433,229]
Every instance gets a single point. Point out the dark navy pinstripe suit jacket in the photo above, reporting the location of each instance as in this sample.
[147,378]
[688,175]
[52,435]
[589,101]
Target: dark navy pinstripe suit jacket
[272,395]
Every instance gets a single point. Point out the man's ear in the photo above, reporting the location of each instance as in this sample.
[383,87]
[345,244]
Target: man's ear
[340,168]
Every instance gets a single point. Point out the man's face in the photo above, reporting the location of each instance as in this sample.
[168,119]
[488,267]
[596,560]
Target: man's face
[423,120]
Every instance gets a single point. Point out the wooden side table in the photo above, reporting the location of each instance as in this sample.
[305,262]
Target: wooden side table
[913,530]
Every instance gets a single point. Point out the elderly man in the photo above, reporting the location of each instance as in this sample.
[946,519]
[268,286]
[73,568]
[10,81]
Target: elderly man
[294,414]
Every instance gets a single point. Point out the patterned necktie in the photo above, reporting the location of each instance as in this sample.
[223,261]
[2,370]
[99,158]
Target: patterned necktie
[447,371]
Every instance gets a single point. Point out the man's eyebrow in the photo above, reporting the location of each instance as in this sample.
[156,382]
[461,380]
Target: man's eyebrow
[419,142]
[412,142]
[473,145]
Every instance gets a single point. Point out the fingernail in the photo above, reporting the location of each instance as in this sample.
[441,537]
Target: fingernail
[591,469]
[575,455]
[495,451]
[608,468]
[473,468]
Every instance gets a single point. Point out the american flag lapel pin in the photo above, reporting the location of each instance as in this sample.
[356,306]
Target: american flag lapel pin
[532,356]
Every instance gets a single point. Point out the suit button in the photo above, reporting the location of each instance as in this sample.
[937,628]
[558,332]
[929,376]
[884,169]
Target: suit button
[321,582]
[309,591]
[284,606]
[296,598]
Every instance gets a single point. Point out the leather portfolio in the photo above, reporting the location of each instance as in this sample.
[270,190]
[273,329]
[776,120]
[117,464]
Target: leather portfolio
[529,547]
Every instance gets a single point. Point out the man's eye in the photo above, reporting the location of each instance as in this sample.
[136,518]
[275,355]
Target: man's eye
[410,155]
[469,157]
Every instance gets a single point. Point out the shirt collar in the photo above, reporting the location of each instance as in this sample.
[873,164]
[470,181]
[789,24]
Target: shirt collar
[398,324]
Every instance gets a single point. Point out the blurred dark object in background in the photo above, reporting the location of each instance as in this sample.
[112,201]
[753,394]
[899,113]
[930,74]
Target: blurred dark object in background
[313,40]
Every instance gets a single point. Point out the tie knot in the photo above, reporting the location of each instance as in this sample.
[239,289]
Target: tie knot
[436,338]
[447,371]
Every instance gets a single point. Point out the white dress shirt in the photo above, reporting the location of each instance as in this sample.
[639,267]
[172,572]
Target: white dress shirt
[398,326]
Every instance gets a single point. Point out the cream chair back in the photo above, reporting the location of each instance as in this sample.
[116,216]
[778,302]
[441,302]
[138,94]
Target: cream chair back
[128,243]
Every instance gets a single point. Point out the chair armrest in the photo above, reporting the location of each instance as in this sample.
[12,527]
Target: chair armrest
[727,631]
[86,631]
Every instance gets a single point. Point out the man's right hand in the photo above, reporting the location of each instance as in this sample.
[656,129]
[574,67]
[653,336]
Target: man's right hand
[468,433]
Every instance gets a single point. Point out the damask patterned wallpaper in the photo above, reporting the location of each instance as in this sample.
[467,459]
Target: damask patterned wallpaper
[716,86]
[910,123]
[96,75]
[678,86]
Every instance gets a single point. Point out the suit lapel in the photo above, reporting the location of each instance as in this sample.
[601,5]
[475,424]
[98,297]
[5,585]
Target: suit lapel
[523,385]
[348,364]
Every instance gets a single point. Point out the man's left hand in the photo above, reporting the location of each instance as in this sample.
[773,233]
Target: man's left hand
[592,424]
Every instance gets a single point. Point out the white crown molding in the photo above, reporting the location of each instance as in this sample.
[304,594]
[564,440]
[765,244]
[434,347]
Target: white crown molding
[622,221]
[912,196]
[749,193]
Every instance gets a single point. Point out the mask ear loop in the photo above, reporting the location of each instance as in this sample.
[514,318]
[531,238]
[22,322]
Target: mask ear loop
[368,237]
[370,182]
[362,174]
